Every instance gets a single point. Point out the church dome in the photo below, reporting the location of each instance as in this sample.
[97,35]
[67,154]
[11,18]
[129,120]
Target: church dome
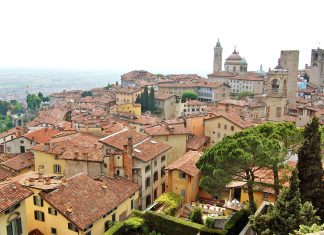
[234,56]
[243,61]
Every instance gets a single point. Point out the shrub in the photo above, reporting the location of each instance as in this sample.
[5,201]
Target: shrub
[136,213]
[189,95]
[170,225]
[209,222]
[211,231]
[171,200]
[118,229]
[237,222]
[196,216]
[136,224]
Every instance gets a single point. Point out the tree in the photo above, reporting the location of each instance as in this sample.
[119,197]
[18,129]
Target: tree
[33,101]
[86,93]
[289,136]
[151,100]
[145,98]
[310,169]
[196,216]
[236,158]
[40,95]
[243,94]
[138,99]
[189,95]
[4,106]
[287,214]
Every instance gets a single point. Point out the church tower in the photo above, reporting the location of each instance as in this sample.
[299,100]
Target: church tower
[218,57]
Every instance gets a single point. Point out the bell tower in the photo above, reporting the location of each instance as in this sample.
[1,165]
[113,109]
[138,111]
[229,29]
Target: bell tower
[218,57]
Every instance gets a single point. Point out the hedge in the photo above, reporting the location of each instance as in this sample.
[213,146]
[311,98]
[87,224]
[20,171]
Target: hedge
[170,225]
[211,231]
[237,222]
[118,229]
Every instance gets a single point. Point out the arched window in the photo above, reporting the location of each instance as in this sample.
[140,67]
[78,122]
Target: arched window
[275,85]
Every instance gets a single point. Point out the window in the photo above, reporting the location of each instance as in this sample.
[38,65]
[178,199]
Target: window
[147,168]
[156,176]
[155,163]
[213,132]
[275,85]
[182,175]
[21,141]
[219,125]
[162,171]
[113,217]
[225,127]
[88,233]
[132,204]
[193,109]
[38,201]
[72,227]
[218,135]
[163,187]
[38,215]
[14,227]
[52,211]
[155,194]
[57,169]
[108,225]
[184,110]
[53,231]
[265,195]
[163,158]
[147,182]
[232,128]
[183,193]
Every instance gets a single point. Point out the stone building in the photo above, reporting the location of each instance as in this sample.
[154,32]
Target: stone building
[235,63]
[289,60]
[277,93]
[218,57]
[317,68]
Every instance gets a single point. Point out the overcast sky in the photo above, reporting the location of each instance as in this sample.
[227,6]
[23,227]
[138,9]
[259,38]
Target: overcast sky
[167,36]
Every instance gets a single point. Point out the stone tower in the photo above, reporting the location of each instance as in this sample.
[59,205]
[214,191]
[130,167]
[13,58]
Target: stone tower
[289,60]
[218,57]
[317,68]
[277,92]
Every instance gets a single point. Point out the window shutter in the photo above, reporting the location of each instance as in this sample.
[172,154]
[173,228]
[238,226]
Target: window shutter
[34,197]
[19,226]
[35,215]
[42,203]
[9,229]
[54,169]
[43,216]
[55,212]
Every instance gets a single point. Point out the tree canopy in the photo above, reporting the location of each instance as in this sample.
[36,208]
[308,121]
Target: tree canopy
[147,100]
[310,169]
[86,93]
[33,101]
[189,95]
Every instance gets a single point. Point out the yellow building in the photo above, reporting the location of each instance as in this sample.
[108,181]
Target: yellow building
[221,124]
[69,155]
[130,108]
[79,204]
[175,136]
[13,218]
[127,95]
[183,176]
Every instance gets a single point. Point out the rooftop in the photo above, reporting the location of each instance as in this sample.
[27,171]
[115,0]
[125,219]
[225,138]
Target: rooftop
[20,161]
[196,142]
[42,135]
[186,163]
[166,129]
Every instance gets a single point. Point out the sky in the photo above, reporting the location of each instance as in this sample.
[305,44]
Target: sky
[161,36]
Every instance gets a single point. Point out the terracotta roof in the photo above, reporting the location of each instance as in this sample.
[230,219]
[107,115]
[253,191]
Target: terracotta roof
[149,149]
[20,161]
[232,117]
[11,194]
[119,139]
[194,85]
[166,129]
[289,118]
[229,101]
[89,199]
[11,131]
[222,74]
[113,127]
[248,78]
[186,163]
[145,120]
[195,102]
[128,90]
[163,96]
[42,135]
[195,142]
[4,174]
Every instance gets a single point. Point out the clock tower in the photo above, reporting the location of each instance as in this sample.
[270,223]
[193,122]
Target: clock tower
[218,57]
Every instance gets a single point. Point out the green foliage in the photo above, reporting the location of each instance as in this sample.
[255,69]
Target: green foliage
[108,86]
[151,100]
[145,99]
[287,214]
[303,229]
[170,225]
[237,222]
[171,200]
[189,95]
[86,93]
[5,123]
[42,97]
[243,94]
[118,229]
[195,216]
[136,213]
[159,75]
[136,224]
[211,231]
[4,107]
[310,169]
[138,99]
[235,158]
[33,101]
[209,222]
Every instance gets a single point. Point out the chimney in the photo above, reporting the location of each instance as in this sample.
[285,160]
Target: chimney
[69,208]
[76,154]
[130,145]
[48,181]
[111,165]
[47,146]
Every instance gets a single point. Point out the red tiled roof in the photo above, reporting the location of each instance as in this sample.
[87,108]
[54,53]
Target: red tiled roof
[232,117]
[149,149]
[89,199]
[20,161]
[163,96]
[166,130]
[119,139]
[42,135]
[4,174]
[186,163]
[11,194]
[222,74]
[195,142]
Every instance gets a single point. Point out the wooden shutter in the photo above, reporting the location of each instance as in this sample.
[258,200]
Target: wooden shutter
[9,229]
[19,226]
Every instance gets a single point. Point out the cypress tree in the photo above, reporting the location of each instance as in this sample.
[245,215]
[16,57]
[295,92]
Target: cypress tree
[145,98]
[310,169]
[142,102]
[138,99]
[151,100]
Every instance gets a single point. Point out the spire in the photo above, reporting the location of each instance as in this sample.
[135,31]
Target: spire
[218,43]
[234,52]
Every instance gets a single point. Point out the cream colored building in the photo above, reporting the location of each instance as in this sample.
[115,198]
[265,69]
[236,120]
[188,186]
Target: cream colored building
[219,125]
[190,107]
[127,95]
[235,63]
[166,103]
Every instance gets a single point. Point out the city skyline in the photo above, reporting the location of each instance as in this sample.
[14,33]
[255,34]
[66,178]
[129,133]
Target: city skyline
[161,37]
